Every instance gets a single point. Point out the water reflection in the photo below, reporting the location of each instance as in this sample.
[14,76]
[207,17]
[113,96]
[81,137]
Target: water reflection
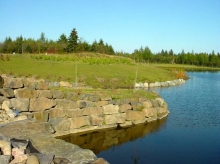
[104,139]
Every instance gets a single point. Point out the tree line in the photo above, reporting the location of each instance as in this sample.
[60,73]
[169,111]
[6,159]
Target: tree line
[191,58]
[73,43]
[63,45]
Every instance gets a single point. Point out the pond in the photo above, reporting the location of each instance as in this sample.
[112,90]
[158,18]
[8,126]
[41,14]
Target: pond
[190,134]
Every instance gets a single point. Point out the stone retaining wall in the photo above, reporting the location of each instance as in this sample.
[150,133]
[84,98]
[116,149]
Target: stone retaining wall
[71,112]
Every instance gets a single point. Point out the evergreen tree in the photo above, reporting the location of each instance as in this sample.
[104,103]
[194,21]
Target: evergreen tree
[72,41]
[62,43]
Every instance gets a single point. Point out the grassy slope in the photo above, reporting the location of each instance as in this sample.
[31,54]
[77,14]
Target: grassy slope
[24,65]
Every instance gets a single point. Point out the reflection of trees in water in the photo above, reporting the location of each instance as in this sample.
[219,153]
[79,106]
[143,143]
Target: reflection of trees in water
[104,139]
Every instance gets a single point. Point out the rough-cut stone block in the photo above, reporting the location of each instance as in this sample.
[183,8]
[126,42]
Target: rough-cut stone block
[56,112]
[7,92]
[58,94]
[96,120]
[93,98]
[5,147]
[135,115]
[26,93]
[66,104]
[60,124]
[115,118]
[148,112]
[42,116]
[84,103]
[65,84]
[42,85]
[74,112]
[32,159]
[147,104]
[54,84]
[126,124]
[21,104]
[19,159]
[6,105]
[124,107]
[46,93]
[1,100]
[71,96]
[79,122]
[13,82]
[40,104]
[160,101]
[30,83]
[137,105]
[101,103]
[5,159]
[92,111]
[110,109]
[155,103]
[151,85]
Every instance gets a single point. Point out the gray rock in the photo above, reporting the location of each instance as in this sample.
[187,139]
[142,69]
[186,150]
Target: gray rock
[13,82]
[21,104]
[58,94]
[84,103]
[44,158]
[42,85]
[5,159]
[60,124]
[2,99]
[18,143]
[30,83]
[136,105]
[71,96]
[41,104]
[7,92]
[46,93]
[54,84]
[26,93]
[66,104]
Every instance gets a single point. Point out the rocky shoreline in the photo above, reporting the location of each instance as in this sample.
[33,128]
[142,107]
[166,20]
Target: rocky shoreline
[32,113]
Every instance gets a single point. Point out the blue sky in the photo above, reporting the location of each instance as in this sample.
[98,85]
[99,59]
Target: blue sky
[125,24]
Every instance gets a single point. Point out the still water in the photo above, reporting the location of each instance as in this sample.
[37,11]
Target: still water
[190,134]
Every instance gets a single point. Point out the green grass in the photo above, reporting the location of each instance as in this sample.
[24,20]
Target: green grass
[116,75]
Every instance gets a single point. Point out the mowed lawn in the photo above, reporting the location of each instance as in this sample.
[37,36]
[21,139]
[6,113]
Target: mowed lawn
[121,74]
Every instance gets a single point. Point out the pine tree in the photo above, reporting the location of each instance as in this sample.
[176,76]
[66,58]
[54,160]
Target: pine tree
[72,41]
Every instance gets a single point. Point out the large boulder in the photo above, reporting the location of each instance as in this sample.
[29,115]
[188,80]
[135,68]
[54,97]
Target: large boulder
[42,85]
[124,107]
[60,124]
[42,116]
[13,83]
[92,111]
[7,92]
[115,118]
[46,93]
[66,104]
[110,109]
[96,120]
[71,113]
[135,115]
[84,103]
[78,122]
[30,83]
[20,104]
[41,104]
[56,112]
[58,94]
[26,93]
